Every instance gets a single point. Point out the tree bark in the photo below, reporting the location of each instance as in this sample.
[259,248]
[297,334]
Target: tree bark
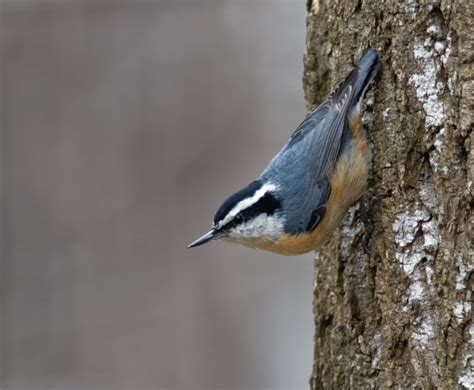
[393,288]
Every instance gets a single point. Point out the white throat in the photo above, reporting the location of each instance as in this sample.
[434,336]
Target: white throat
[263,226]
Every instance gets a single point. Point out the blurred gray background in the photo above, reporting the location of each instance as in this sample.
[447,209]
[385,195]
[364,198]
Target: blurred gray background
[124,126]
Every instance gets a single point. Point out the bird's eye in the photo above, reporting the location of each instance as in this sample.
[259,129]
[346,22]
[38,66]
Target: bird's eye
[238,218]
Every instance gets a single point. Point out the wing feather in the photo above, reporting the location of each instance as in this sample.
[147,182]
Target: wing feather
[306,161]
[316,142]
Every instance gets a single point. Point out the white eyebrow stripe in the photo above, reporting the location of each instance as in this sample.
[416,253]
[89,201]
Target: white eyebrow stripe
[246,203]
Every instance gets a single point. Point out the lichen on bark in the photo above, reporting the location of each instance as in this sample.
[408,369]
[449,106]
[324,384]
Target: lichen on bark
[395,310]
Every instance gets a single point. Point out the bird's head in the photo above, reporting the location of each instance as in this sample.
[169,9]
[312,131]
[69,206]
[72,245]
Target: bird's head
[253,213]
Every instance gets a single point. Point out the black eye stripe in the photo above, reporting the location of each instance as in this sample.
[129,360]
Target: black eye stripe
[234,199]
[267,204]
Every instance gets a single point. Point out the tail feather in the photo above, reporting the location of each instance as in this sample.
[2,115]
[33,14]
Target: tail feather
[367,69]
[358,79]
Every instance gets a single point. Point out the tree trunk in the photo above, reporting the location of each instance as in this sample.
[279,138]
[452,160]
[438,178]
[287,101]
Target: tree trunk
[393,288]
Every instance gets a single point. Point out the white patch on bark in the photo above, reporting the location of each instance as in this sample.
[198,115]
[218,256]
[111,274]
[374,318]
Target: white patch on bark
[416,291]
[423,324]
[411,8]
[466,377]
[431,235]
[447,51]
[408,260]
[462,309]
[315,7]
[434,30]
[406,226]
[424,331]
[349,231]
[428,194]
[377,353]
[440,148]
[439,143]
[461,277]
[417,236]
[440,47]
[427,84]
[452,73]
[432,55]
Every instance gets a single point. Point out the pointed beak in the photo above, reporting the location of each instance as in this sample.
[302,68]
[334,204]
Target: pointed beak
[212,235]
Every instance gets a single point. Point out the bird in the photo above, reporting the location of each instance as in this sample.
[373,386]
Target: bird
[302,195]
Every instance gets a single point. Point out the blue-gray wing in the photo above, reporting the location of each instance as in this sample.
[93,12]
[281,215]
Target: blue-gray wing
[302,167]
[315,144]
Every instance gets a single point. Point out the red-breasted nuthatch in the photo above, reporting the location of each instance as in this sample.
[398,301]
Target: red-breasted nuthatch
[306,189]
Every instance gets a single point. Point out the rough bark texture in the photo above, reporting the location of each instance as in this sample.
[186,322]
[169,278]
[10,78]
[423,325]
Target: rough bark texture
[396,312]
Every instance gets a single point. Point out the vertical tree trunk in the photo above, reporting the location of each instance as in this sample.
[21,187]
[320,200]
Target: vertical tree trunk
[396,312]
